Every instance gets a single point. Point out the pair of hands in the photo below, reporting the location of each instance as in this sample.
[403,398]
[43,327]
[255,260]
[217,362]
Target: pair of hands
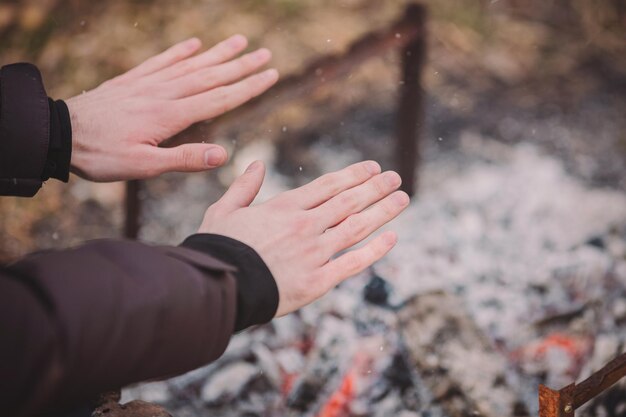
[118,126]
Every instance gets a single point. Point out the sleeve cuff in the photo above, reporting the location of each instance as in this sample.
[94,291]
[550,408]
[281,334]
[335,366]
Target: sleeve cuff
[60,143]
[35,132]
[257,293]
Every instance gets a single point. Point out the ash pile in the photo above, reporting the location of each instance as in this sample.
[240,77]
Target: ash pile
[508,273]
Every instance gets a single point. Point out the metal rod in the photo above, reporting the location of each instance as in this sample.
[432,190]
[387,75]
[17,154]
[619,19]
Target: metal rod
[556,403]
[132,206]
[600,381]
[406,33]
[564,402]
[320,72]
[410,118]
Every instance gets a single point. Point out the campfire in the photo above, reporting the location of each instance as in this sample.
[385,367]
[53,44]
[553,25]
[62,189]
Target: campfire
[466,317]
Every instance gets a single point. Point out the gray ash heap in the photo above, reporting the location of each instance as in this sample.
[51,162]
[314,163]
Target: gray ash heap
[508,273]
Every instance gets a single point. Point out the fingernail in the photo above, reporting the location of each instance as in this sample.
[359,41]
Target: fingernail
[400,199]
[392,179]
[372,167]
[214,156]
[237,40]
[270,73]
[261,54]
[253,167]
[192,43]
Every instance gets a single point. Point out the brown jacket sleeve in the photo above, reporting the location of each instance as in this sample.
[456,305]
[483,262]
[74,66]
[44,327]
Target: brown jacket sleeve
[78,322]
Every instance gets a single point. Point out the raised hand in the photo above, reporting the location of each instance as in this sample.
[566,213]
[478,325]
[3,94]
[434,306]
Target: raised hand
[118,126]
[298,232]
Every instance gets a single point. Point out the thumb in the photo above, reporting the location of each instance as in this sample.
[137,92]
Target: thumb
[190,157]
[245,188]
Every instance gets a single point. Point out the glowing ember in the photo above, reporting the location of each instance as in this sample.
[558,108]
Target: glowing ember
[339,402]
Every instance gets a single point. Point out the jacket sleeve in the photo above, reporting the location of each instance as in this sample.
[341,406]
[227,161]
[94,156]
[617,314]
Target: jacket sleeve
[35,132]
[78,322]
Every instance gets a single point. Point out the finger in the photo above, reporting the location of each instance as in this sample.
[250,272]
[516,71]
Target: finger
[174,54]
[192,157]
[212,77]
[356,199]
[222,99]
[329,185]
[357,260]
[244,189]
[359,226]
[218,54]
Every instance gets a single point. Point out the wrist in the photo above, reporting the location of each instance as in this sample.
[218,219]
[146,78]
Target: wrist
[78,161]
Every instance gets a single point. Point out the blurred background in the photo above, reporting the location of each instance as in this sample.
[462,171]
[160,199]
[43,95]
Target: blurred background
[546,72]
[520,209]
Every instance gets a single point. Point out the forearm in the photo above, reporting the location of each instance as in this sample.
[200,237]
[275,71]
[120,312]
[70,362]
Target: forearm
[81,321]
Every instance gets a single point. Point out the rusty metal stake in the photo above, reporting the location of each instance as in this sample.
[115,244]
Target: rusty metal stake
[564,402]
[406,34]
[410,118]
[132,207]
[322,71]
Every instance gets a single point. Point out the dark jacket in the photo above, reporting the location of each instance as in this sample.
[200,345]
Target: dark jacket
[80,321]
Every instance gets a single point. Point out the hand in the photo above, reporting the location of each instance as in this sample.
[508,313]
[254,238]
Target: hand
[118,126]
[298,232]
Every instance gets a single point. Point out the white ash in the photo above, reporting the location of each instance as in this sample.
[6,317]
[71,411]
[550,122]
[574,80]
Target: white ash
[493,229]
[268,363]
[504,228]
[157,392]
[226,384]
[290,360]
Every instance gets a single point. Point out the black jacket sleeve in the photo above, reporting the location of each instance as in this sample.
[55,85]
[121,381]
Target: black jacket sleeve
[35,132]
[257,293]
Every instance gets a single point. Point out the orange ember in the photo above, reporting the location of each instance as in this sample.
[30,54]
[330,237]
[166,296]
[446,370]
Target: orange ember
[339,402]
[571,345]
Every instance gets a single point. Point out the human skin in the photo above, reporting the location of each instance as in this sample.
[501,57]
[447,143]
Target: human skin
[118,126]
[298,232]
[117,129]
